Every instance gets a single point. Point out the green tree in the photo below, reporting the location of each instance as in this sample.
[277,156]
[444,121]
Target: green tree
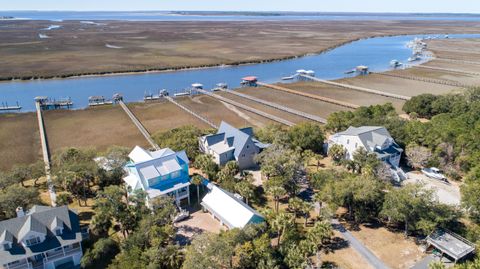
[421,104]
[182,138]
[281,223]
[206,164]
[245,187]
[100,255]
[307,136]
[17,196]
[63,199]
[197,181]
[276,190]
[337,153]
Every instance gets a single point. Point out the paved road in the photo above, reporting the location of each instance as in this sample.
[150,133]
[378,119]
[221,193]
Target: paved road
[359,246]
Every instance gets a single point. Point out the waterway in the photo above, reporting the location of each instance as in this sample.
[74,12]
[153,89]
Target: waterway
[376,53]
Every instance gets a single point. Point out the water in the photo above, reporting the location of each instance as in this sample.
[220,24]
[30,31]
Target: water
[375,53]
[228,16]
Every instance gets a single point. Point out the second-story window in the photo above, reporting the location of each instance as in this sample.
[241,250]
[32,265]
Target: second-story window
[32,241]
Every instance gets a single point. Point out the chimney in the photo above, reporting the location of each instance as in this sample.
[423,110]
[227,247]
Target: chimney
[20,212]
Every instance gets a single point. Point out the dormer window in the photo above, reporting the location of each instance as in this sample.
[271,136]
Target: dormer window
[5,246]
[33,241]
[58,231]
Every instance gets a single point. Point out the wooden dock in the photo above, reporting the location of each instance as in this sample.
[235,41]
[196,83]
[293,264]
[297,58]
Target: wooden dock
[247,108]
[427,80]
[139,125]
[279,107]
[356,88]
[457,71]
[456,61]
[46,154]
[313,96]
[211,124]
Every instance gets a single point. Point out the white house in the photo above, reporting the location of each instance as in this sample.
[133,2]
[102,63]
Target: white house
[373,139]
[232,144]
[231,211]
[161,172]
[44,237]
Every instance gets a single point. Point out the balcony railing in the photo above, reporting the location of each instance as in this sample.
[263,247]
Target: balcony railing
[62,253]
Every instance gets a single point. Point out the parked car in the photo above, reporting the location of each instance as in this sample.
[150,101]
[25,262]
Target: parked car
[434,173]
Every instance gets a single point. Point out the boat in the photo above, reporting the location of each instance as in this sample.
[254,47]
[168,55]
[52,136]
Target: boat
[288,78]
[350,71]
[395,63]
[434,173]
[414,58]
[98,101]
[220,87]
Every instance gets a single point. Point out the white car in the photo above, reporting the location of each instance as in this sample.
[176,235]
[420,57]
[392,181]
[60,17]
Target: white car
[434,173]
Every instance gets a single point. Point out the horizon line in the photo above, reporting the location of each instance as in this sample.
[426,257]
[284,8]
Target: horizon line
[253,11]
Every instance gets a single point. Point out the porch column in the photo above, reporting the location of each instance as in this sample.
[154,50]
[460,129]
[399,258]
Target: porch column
[188,192]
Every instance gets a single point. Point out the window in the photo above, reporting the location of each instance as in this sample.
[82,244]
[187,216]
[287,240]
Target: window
[348,141]
[58,231]
[175,174]
[243,155]
[247,146]
[6,246]
[32,241]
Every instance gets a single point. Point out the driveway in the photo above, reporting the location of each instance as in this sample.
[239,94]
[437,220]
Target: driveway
[373,260]
[446,193]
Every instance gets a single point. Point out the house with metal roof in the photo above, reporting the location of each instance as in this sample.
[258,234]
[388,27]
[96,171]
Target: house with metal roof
[374,139]
[232,144]
[159,173]
[43,237]
[450,244]
[230,210]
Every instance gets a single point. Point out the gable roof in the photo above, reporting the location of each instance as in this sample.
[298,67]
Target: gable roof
[31,224]
[232,137]
[39,219]
[233,212]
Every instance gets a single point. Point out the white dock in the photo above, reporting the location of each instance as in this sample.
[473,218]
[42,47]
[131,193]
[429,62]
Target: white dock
[211,124]
[247,108]
[279,107]
[356,88]
[46,155]
[139,125]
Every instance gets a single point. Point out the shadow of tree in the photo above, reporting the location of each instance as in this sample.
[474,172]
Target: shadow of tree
[336,243]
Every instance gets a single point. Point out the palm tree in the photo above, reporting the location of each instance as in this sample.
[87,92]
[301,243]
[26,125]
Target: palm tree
[245,189]
[197,181]
[319,233]
[280,223]
[295,205]
[305,209]
[276,192]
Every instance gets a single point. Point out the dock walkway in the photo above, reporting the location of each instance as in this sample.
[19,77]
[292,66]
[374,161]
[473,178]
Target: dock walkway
[247,108]
[356,88]
[211,124]
[423,79]
[46,155]
[279,107]
[448,70]
[456,61]
[313,96]
[139,125]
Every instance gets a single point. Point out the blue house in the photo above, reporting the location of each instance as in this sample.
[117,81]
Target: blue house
[162,172]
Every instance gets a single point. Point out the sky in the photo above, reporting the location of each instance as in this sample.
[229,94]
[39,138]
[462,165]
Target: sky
[416,6]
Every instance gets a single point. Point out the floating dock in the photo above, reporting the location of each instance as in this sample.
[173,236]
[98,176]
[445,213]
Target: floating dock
[313,96]
[189,111]
[46,154]
[279,107]
[46,103]
[139,125]
[6,107]
[247,108]
[98,101]
[356,88]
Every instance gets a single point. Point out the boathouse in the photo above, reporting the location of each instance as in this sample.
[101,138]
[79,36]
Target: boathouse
[249,81]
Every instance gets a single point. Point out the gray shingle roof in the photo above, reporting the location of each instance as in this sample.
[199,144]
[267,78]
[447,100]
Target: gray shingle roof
[31,224]
[234,138]
[39,219]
